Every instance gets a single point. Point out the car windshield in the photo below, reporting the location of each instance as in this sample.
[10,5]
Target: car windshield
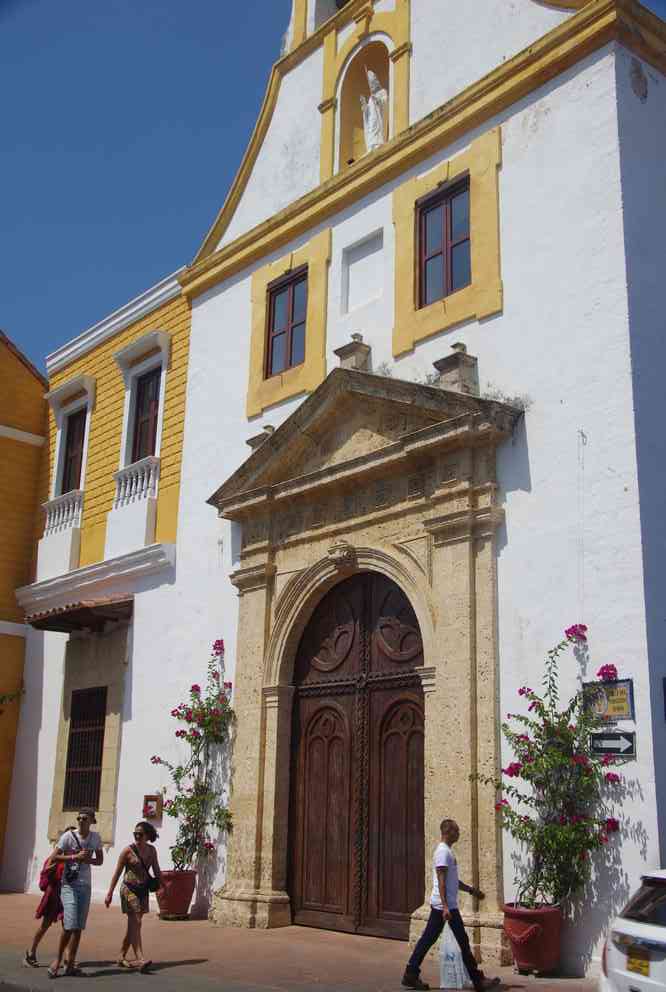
[649,903]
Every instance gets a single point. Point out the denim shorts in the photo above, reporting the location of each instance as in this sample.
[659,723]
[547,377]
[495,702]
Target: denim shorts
[75,898]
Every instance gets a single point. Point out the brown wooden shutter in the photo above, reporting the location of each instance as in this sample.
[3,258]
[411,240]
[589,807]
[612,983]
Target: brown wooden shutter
[73,458]
[85,748]
[146,408]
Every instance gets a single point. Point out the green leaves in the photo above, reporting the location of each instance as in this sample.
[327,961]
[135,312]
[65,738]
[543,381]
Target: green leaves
[205,719]
[554,803]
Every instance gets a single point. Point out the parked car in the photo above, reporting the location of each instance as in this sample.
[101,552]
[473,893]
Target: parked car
[634,958]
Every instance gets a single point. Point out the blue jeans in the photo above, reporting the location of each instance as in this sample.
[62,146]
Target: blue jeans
[75,898]
[430,936]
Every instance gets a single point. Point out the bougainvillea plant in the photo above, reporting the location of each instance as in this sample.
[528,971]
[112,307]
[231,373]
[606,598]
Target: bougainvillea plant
[556,792]
[205,723]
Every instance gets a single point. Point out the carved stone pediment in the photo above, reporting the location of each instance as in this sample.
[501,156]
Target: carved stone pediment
[356,433]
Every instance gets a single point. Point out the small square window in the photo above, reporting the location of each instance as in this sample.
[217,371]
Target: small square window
[444,244]
[287,309]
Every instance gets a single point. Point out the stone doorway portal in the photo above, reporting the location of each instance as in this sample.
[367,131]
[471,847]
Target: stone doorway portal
[356,812]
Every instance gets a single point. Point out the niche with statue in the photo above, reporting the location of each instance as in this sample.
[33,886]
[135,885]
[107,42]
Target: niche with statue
[364,104]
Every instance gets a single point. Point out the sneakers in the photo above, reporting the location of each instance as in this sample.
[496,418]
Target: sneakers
[412,980]
[30,960]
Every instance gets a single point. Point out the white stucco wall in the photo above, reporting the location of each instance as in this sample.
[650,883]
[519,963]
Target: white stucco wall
[454,43]
[642,127]
[287,166]
[571,550]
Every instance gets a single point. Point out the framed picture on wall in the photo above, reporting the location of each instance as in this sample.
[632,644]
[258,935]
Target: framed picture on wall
[152,807]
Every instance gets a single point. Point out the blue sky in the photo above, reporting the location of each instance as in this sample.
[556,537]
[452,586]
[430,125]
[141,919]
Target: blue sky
[123,124]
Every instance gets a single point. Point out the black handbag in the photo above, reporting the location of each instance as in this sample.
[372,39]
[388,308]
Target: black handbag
[152,884]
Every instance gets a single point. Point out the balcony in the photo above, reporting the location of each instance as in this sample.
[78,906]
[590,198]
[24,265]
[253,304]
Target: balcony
[131,522]
[59,548]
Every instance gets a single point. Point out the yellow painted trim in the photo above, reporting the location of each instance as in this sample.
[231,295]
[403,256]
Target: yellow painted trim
[12,653]
[93,539]
[396,25]
[483,296]
[166,524]
[304,378]
[597,24]
[300,23]
[311,43]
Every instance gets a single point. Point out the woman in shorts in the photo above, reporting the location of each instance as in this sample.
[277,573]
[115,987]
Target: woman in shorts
[136,861]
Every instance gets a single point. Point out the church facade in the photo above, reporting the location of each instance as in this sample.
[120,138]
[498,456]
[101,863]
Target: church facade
[430,306]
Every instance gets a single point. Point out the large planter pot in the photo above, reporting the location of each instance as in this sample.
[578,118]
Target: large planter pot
[534,935]
[176,893]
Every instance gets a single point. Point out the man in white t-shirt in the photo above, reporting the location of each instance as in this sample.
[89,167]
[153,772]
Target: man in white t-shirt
[444,909]
[78,849]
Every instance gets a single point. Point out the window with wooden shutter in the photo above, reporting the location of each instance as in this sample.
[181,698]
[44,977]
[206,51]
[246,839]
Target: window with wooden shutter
[85,748]
[146,412]
[75,433]
[287,309]
[444,244]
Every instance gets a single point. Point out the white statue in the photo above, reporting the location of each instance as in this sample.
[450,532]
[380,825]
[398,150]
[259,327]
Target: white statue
[375,109]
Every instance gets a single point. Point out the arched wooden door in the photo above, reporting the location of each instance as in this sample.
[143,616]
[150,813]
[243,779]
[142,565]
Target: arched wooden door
[356,827]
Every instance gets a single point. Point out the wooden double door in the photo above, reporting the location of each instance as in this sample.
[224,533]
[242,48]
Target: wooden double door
[356,816]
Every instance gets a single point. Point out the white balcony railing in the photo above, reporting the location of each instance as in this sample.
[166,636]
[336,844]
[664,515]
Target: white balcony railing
[63,512]
[137,482]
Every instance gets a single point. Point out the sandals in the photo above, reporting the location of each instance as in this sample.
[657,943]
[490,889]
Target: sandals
[30,960]
[124,964]
[52,972]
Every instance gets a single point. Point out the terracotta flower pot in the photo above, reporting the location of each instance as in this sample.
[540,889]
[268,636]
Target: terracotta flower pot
[176,894]
[535,936]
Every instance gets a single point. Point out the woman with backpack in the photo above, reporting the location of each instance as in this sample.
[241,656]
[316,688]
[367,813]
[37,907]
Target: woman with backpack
[136,861]
[50,908]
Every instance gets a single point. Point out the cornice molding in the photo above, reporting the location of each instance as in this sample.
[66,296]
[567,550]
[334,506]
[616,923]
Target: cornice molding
[23,436]
[8,629]
[60,397]
[114,575]
[140,306]
[598,23]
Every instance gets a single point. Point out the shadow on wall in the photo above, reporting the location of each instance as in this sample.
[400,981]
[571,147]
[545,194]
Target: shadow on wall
[18,865]
[587,921]
[642,149]
[212,868]
[513,473]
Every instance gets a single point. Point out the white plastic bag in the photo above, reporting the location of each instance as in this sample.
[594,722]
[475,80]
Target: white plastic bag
[452,972]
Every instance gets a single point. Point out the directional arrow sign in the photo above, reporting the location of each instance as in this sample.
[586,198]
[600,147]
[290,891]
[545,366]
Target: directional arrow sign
[619,742]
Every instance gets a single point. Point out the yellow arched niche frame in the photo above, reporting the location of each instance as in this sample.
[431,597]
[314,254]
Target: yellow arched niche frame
[483,296]
[263,392]
[396,25]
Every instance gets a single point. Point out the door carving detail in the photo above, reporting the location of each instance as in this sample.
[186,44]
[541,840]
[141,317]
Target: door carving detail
[356,818]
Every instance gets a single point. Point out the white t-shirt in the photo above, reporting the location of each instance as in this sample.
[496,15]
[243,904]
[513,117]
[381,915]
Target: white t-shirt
[445,858]
[67,844]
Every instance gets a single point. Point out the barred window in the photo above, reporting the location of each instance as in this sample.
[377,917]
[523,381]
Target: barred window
[85,748]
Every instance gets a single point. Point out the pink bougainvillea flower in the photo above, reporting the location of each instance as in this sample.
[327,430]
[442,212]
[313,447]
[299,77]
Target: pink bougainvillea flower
[580,759]
[216,676]
[513,770]
[195,690]
[612,778]
[174,713]
[607,673]
[532,706]
[524,690]
[218,647]
[228,685]
[608,759]
[603,838]
[524,738]
[576,632]
[501,804]
[155,760]
[612,825]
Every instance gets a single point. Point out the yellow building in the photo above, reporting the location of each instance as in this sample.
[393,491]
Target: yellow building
[22,437]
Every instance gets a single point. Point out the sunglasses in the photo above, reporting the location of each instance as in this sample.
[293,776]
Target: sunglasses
[81,819]
[139,833]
